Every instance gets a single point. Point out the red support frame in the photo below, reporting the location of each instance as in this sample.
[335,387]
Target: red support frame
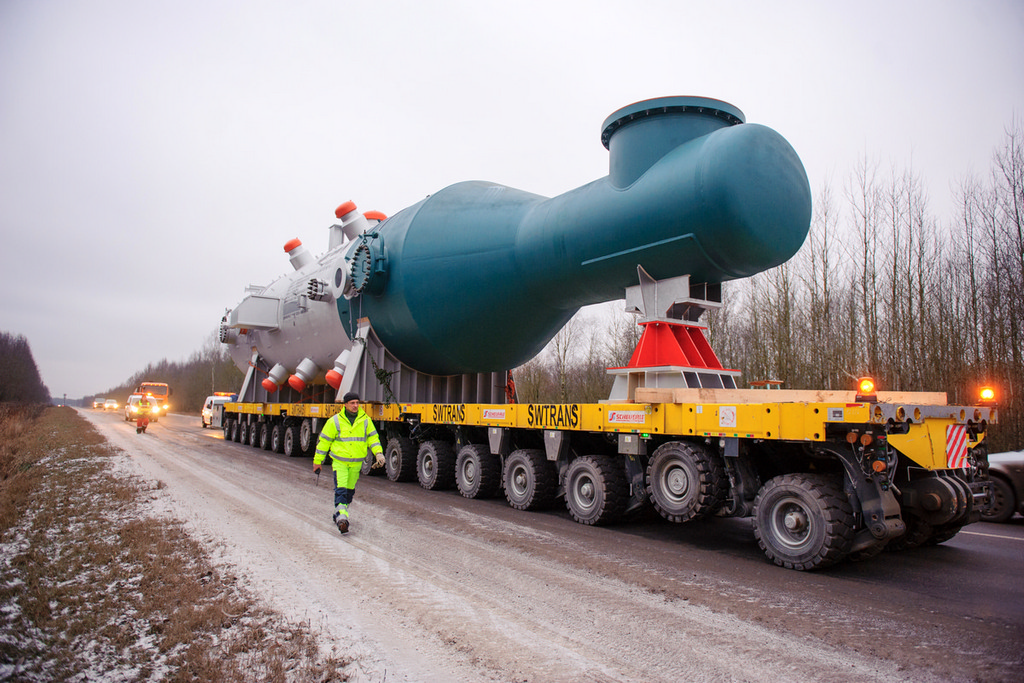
[673,344]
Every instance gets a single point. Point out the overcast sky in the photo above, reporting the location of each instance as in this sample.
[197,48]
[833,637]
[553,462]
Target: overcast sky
[156,156]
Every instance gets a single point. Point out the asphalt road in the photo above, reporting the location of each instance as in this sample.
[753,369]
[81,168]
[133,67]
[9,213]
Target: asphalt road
[701,593]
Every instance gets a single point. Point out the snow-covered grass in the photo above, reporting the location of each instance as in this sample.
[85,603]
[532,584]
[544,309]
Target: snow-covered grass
[95,586]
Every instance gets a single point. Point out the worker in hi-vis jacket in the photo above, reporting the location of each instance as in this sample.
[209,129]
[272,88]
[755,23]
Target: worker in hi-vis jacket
[347,438]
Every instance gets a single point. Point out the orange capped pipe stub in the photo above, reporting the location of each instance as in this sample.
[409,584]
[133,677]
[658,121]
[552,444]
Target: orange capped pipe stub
[296,383]
[334,379]
[347,207]
[292,244]
[270,385]
[375,216]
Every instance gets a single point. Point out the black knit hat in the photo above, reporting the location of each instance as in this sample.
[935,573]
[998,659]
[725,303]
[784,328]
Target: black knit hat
[350,396]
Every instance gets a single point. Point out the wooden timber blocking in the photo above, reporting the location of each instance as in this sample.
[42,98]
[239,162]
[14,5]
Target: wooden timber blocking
[655,395]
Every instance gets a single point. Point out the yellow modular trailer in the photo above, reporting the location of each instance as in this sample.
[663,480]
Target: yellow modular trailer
[422,314]
[825,475]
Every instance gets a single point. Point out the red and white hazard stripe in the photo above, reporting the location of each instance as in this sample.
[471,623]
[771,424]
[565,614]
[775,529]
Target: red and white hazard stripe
[956,446]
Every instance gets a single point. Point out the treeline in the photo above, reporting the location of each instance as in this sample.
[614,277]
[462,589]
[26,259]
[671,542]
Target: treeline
[881,287]
[20,381]
[208,370]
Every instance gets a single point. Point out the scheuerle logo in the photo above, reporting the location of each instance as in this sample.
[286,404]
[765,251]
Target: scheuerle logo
[632,417]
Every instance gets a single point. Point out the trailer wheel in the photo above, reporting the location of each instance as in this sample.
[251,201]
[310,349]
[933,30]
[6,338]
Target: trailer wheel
[400,459]
[941,534]
[596,489]
[243,432]
[366,468]
[236,431]
[291,441]
[227,429]
[803,521]
[307,438]
[531,482]
[265,436]
[866,553]
[918,531]
[435,465]
[477,472]
[277,438]
[1003,502]
[253,434]
[685,481]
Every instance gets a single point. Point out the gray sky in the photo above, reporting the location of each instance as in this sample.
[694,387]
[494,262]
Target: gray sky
[155,157]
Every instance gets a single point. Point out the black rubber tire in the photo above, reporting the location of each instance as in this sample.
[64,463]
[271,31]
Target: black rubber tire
[400,459]
[290,443]
[1004,504]
[435,465]
[917,534]
[243,432]
[477,471]
[530,480]
[277,438]
[253,434]
[264,437]
[685,481]
[803,521]
[366,469]
[307,437]
[596,490]
[866,553]
[227,429]
[236,431]
[943,533]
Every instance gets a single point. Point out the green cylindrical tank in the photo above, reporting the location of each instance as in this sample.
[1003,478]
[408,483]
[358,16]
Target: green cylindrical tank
[479,277]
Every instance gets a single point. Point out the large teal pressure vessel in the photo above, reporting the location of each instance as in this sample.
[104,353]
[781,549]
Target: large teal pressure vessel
[479,277]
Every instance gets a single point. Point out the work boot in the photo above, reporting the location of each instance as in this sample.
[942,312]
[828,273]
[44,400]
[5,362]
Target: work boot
[342,524]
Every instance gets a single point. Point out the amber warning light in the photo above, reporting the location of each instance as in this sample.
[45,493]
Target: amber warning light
[987,396]
[866,390]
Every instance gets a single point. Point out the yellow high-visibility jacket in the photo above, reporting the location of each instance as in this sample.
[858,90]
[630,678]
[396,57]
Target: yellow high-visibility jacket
[347,442]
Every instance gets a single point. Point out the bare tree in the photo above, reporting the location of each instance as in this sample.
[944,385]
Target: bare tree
[533,381]
[863,196]
[563,348]
[623,335]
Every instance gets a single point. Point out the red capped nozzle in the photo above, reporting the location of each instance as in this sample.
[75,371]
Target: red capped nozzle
[292,244]
[296,383]
[334,379]
[270,385]
[346,208]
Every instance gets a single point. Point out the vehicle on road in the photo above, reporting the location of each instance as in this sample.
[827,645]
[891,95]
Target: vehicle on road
[110,404]
[98,403]
[160,392]
[1006,470]
[218,399]
[131,408]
